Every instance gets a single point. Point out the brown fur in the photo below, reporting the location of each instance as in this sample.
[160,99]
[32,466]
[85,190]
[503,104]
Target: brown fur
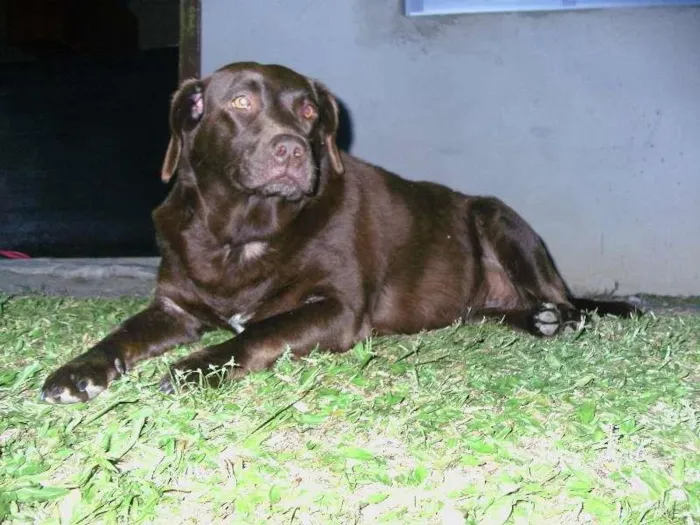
[270,228]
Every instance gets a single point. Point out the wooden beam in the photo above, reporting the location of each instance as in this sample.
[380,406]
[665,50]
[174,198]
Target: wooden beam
[190,61]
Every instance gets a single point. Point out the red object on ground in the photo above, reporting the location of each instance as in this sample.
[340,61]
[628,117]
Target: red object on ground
[9,254]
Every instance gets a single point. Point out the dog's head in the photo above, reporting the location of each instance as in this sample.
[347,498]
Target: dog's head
[264,129]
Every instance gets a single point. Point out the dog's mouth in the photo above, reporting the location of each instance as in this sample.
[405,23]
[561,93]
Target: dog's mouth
[287,177]
[290,184]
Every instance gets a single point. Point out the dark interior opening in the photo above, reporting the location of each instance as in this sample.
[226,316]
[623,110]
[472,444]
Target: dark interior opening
[84,93]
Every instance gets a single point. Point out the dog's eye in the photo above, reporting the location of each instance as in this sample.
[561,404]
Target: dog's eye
[241,102]
[308,111]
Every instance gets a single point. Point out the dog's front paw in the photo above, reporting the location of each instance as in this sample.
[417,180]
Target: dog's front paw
[197,369]
[81,379]
[550,320]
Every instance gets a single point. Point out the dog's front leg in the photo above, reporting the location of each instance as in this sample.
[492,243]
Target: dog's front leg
[149,333]
[325,324]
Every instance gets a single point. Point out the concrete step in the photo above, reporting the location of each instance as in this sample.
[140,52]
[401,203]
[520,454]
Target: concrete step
[136,277]
[80,277]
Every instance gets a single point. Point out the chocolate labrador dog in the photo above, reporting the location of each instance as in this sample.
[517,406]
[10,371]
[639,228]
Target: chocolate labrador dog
[271,232]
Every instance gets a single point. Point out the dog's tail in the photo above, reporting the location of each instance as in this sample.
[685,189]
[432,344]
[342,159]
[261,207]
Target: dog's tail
[607,307]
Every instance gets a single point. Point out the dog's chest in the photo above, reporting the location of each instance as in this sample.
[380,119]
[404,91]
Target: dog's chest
[236,283]
[252,251]
[224,267]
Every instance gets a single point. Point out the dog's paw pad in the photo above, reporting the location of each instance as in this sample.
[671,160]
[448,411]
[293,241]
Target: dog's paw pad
[90,388]
[80,380]
[57,394]
[67,388]
[547,320]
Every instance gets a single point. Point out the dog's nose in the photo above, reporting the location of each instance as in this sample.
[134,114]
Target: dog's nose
[288,147]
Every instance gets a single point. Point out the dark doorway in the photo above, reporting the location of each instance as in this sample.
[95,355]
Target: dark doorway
[84,92]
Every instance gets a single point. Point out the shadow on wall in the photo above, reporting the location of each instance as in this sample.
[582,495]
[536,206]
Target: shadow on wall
[345,134]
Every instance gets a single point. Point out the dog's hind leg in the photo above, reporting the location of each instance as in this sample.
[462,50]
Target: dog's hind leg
[522,285]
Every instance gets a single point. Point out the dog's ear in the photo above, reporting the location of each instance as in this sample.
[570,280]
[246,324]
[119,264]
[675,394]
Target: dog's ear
[328,115]
[186,110]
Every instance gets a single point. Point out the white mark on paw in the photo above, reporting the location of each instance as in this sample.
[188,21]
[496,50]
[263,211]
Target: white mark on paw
[547,329]
[64,397]
[91,389]
[548,320]
[548,316]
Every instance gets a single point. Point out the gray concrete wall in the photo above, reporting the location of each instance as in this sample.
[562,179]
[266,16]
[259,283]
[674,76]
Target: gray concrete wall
[587,123]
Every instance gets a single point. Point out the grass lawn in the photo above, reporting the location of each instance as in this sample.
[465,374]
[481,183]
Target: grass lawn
[469,424]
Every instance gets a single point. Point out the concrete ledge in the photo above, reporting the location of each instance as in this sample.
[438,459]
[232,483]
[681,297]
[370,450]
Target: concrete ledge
[136,277]
[108,277]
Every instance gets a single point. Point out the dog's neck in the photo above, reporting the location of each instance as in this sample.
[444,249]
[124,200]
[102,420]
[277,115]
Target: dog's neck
[231,216]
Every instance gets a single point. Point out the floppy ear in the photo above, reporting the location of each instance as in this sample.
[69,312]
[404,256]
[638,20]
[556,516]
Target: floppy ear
[328,114]
[186,110]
